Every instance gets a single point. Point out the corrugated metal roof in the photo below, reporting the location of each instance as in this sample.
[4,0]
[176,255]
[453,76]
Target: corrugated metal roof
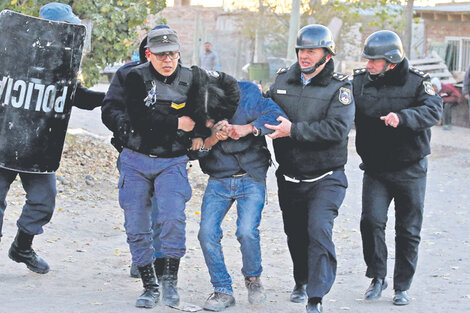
[451,8]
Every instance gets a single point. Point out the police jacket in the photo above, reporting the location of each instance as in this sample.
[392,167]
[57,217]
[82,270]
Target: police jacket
[248,154]
[114,111]
[87,99]
[144,113]
[321,113]
[408,93]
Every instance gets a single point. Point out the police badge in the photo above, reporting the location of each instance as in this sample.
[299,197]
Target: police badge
[345,96]
[428,88]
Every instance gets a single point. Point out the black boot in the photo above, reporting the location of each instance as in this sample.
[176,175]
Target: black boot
[149,298]
[299,294]
[21,252]
[134,271]
[374,291]
[314,305]
[158,265]
[169,281]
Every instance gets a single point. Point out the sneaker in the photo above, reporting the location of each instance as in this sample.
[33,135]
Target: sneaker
[256,292]
[218,301]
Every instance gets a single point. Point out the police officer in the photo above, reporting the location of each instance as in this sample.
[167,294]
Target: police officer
[395,108]
[40,188]
[311,149]
[162,102]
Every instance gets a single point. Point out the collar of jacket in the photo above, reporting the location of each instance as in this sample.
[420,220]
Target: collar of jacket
[160,77]
[322,79]
[395,77]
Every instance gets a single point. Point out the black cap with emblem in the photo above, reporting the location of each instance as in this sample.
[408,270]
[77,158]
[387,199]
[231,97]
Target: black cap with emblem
[162,40]
[384,44]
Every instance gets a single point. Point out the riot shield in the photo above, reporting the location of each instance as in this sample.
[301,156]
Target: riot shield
[39,61]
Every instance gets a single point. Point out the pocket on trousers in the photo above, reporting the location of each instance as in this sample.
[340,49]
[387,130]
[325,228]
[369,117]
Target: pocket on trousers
[187,187]
[122,179]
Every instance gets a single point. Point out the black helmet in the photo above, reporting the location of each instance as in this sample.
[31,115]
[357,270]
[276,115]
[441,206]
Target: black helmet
[384,44]
[315,36]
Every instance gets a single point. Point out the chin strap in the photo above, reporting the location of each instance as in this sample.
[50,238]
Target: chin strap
[312,69]
[379,75]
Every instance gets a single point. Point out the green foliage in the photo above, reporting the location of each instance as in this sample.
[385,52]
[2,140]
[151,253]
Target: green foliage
[114,33]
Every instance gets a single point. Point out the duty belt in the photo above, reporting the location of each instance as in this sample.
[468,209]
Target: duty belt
[310,180]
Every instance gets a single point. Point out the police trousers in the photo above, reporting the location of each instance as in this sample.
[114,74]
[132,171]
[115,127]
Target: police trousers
[407,188]
[308,212]
[166,179]
[40,199]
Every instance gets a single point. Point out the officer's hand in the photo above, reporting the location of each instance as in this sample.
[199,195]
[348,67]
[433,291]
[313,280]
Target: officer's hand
[467,97]
[391,119]
[220,130]
[185,123]
[197,143]
[281,130]
[238,131]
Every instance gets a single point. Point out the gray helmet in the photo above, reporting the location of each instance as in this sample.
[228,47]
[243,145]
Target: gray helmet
[384,44]
[315,36]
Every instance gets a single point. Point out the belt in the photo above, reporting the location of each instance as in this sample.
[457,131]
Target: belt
[238,175]
[310,180]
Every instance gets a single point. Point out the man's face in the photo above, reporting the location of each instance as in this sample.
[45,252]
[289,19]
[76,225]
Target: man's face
[310,57]
[375,67]
[164,63]
[207,47]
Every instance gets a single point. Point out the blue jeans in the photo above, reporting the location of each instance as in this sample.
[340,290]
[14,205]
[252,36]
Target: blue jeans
[218,198]
[166,179]
[40,199]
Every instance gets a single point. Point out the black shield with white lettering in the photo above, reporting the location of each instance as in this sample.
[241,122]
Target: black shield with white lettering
[39,61]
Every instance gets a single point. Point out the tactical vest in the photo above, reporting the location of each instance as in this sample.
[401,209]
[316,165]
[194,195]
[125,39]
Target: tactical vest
[167,98]
[176,92]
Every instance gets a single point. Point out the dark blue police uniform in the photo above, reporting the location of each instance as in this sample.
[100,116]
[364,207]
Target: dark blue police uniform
[394,163]
[311,178]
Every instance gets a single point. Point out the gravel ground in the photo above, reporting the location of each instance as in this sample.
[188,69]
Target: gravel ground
[85,242]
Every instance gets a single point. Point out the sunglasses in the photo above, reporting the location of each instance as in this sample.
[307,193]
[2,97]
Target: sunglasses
[162,56]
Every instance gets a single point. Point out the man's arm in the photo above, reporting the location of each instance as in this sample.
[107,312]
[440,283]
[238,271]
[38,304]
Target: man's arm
[426,114]
[87,99]
[333,128]
[258,110]
[113,110]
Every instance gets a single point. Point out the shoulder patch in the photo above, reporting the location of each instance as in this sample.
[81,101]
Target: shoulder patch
[359,71]
[214,74]
[345,96]
[282,70]
[428,88]
[340,76]
[418,72]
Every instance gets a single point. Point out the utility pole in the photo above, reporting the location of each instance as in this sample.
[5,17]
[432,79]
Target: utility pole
[294,26]
[259,37]
[409,27]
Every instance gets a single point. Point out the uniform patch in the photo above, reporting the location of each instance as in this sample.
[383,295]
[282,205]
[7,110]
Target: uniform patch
[213,74]
[281,70]
[178,106]
[151,98]
[345,96]
[281,91]
[428,88]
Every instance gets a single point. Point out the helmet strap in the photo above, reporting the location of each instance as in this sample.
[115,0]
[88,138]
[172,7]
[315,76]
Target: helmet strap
[312,69]
[379,75]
